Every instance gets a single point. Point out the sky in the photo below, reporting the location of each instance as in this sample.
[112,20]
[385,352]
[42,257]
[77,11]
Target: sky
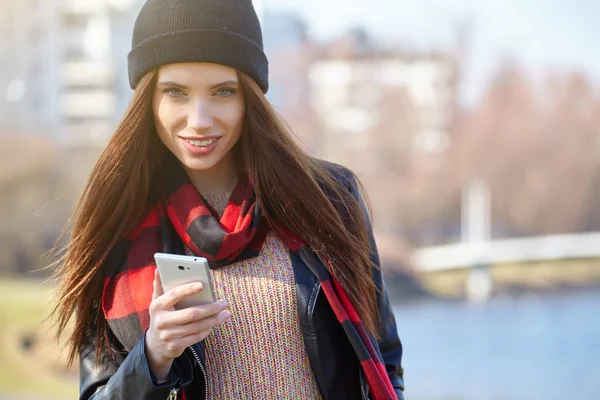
[540,35]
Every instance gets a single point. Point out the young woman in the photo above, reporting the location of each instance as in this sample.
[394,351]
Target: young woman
[201,165]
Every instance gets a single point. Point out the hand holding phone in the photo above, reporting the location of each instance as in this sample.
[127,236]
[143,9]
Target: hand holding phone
[175,270]
[176,320]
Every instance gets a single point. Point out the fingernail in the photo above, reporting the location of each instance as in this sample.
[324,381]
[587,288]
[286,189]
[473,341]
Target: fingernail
[224,303]
[226,315]
[197,287]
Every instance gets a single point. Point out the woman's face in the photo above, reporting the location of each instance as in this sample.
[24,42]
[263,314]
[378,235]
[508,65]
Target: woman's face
[198,111]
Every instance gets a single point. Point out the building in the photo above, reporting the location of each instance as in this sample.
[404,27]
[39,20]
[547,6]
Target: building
[29,71]
[63,66]
[371,101]
[290,53]
[386,113]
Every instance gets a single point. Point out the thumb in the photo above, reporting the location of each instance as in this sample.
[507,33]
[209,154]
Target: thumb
[157,285]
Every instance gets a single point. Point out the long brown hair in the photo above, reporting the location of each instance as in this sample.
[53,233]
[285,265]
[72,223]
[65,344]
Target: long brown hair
[290,186]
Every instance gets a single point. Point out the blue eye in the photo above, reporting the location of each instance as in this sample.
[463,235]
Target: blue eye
[225,92]
[173,92]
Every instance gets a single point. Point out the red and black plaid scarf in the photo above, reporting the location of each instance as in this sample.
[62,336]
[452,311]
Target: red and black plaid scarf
[181,213]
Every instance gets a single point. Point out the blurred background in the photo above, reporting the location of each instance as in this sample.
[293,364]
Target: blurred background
[473,125]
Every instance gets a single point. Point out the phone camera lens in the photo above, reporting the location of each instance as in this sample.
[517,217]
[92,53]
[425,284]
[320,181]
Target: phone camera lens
[181,267]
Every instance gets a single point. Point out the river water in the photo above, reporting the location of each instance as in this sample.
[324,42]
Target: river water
[530,348]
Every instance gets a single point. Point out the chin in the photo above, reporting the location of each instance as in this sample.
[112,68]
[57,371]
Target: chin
[199,165]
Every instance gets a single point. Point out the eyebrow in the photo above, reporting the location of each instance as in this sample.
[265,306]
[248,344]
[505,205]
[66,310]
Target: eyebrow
[217,85]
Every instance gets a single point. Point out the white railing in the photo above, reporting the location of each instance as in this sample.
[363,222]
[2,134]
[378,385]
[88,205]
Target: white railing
[539,248]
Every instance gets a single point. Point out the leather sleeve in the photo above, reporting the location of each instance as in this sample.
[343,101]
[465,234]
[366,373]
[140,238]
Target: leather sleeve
[127,376]
[389,342]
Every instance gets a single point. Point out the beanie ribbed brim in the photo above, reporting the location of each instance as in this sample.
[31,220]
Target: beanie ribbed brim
[199,45]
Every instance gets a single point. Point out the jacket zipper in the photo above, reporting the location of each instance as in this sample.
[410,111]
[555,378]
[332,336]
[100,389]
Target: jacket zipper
[362,387]
[202,369]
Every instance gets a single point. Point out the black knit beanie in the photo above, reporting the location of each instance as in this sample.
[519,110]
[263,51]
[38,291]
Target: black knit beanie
[225,32]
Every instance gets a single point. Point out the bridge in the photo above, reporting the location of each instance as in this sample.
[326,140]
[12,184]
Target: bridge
[478,256]
[502,251]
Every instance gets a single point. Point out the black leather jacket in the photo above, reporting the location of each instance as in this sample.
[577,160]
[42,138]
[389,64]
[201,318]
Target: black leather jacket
[337,370]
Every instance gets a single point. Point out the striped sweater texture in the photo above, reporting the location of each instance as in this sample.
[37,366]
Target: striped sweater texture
[259,353]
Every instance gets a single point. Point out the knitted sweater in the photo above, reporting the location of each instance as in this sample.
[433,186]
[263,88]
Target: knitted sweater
[259,353]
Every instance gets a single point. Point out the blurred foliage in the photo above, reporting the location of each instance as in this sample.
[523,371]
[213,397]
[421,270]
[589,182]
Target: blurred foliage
[534,140]
[39,183]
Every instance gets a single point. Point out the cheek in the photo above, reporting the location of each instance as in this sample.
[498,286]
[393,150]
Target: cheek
[156,110]
[165,118]
[162,124]
[236,117]
[161,115]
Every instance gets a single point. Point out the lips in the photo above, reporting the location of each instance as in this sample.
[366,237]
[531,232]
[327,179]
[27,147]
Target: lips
[201,146]
[201,143]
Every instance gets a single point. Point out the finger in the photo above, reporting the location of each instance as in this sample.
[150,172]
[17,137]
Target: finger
[179,345]
[202,331]
[174,295]
[178,332]
[191,315]
[157,285]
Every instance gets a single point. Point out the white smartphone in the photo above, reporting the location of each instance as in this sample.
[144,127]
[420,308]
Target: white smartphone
[175,270]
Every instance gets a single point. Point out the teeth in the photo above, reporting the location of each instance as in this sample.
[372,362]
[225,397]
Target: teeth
[202,143]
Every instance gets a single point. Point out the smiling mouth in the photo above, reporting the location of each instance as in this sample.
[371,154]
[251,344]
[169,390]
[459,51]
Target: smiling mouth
[201,143]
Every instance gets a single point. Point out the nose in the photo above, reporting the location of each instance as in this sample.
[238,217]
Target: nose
[200,117]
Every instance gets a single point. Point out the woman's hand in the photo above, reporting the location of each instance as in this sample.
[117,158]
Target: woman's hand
[172,331]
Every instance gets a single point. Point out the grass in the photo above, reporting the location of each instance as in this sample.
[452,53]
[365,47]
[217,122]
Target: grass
[35,374]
